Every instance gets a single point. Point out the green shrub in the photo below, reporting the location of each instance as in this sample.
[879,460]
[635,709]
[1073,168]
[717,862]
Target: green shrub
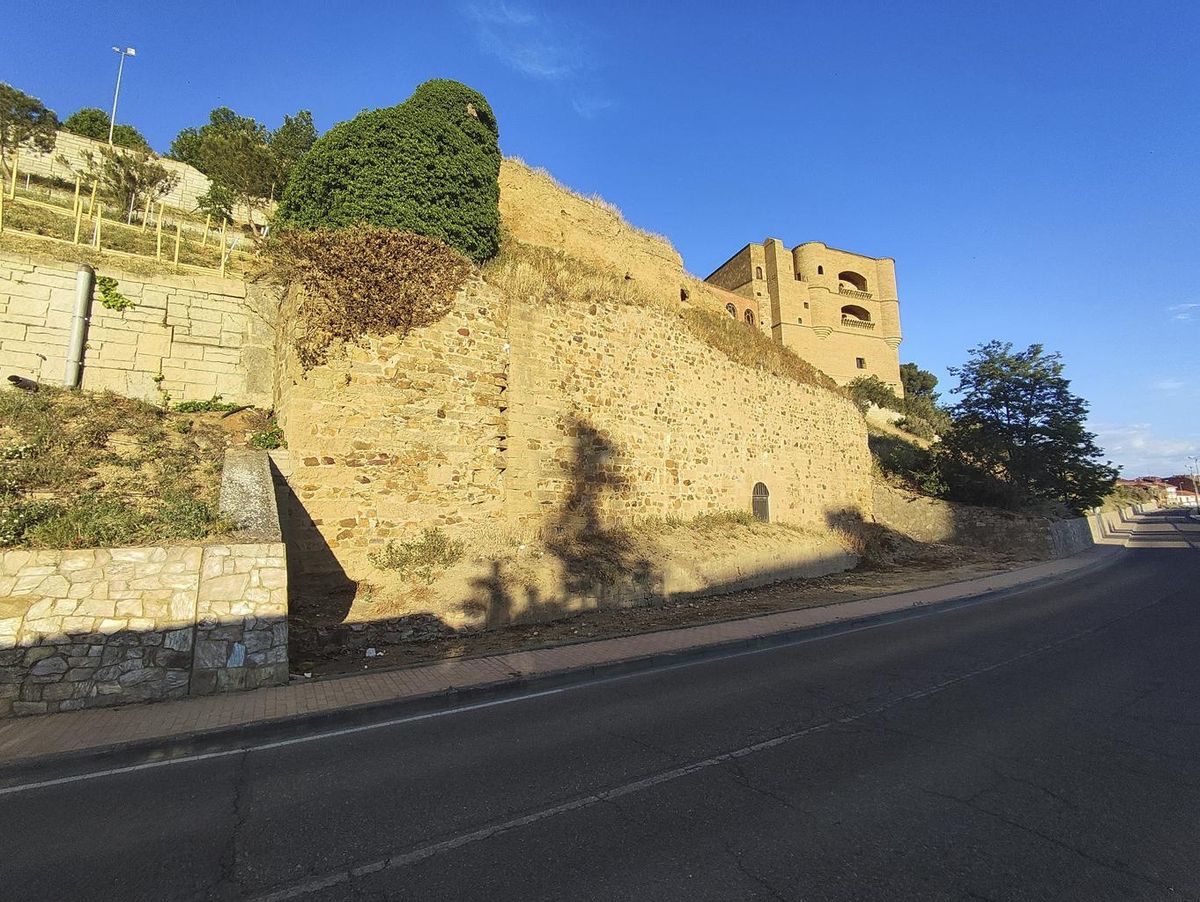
[420,558]
[110,298]
[268,439]
[212,405]
[430,165]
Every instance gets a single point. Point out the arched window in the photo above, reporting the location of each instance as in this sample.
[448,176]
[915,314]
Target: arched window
[853,311]
[857,282]
[731,310]
[750,317]
[820,270]
[761,503]
[758,272]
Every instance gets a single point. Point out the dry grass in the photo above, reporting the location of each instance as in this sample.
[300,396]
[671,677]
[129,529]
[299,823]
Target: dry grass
[529,273]
[748,346]
[594,200]
[80,469]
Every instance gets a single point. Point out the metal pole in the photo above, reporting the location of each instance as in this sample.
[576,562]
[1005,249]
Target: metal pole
[84,278]
[112,120]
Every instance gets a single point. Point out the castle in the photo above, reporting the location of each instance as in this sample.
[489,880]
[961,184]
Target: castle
[835,309]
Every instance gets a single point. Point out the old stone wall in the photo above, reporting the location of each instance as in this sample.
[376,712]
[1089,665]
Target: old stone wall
[394,434]
[107,626]
[203,336]
[620,411]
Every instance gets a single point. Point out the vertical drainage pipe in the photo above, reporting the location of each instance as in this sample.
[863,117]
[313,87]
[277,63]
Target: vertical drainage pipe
[85,278]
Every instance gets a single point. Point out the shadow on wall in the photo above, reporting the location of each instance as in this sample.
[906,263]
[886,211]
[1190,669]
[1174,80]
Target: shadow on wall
[600,565]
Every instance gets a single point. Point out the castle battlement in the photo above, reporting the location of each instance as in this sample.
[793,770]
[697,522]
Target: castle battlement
[834,308]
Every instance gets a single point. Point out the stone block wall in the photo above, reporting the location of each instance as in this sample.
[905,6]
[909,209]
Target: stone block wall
[622,410]
[203,336]
[108,626]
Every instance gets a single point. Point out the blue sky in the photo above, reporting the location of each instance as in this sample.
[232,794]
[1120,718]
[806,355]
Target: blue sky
[1032,167]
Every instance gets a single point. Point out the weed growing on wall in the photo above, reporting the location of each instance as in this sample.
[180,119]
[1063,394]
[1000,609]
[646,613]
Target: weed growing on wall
[421,558]
[366,281]
[110,298]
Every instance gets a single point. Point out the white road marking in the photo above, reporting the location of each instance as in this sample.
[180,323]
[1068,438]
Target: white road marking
[403,859]
[414,718]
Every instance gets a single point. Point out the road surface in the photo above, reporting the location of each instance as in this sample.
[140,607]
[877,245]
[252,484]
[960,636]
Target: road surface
[1043,746]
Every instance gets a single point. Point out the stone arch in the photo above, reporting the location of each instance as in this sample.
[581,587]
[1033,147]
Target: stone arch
[854,279]
[760,502]
[853,311]
[758,272]
[731,310]
[750,317]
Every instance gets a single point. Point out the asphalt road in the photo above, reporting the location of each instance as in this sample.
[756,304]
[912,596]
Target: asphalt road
[1043,746]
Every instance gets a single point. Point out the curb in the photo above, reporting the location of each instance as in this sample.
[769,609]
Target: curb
[233,738]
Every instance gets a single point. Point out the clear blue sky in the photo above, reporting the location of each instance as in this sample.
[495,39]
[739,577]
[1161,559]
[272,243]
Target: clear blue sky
[1032,167]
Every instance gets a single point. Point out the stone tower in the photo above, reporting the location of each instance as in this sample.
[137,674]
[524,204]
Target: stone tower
[835,309]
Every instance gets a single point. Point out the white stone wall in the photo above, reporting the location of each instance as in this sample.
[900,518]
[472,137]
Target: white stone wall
[204,336]
[108,626]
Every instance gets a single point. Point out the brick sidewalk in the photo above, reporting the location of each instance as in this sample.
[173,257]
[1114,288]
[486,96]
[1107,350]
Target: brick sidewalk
[31,737]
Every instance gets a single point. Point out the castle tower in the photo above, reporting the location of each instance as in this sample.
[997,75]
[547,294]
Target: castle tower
[835,309]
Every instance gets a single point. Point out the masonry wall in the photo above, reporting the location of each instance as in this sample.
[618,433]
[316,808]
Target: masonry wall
[204,336]
[626,399]
[96,627]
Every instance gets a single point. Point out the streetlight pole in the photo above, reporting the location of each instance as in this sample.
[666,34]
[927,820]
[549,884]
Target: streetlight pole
[112,120]
[1195,481]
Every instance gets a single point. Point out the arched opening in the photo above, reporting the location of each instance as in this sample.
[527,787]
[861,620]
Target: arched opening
[820,270]
[758,272]
[731,310]
[852,280]
[750,317]
[853,311]
[761,503]
[683,295]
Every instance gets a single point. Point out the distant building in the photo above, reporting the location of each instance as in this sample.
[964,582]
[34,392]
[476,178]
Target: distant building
[835,309]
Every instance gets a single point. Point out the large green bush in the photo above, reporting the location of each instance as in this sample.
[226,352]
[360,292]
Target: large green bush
[430,165]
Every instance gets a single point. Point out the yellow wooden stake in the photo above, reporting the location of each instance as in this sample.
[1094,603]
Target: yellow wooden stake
[207,223]
[92,200]
[78,222]
[158,233]
[78,183]
[99,223]
[146,214]
[1,211]
[177,245]
[222,248]
[12,188]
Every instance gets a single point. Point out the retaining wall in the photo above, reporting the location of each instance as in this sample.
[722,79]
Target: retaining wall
[202,336]
[108,626]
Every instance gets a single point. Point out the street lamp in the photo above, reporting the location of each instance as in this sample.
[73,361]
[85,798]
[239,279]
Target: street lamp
[1195,480]
[112,121]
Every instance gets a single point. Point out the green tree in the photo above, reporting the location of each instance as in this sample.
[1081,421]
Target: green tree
[430,165]
[245,162]
[918,382]
[91,122]
[23,120]
[129,177]
[1019,433]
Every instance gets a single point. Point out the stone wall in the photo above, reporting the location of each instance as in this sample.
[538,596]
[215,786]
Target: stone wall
[622,410]
[554,423]
[190,186]
[204,336]
[109,626]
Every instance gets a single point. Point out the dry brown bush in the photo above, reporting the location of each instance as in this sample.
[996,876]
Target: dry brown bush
[366,281]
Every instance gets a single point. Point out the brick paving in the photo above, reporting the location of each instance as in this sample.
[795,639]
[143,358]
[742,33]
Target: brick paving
[95,729]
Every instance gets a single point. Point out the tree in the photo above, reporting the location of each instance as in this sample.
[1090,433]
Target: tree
[23,120]
[290,143]
[1018,434]
[918,382]
[91,122]
[245,162]
[129,177]
[430,165]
